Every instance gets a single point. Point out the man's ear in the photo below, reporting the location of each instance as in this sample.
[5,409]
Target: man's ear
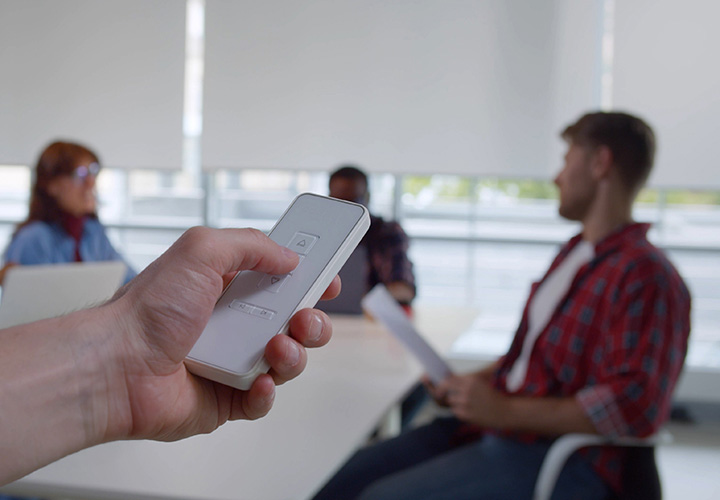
[602,162]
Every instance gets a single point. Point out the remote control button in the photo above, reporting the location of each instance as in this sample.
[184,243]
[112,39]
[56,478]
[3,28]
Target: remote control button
[302,243]
[272,282]
[238,305]
[263,313]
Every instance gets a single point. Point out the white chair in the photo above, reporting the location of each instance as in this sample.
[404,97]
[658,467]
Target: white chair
[568,444]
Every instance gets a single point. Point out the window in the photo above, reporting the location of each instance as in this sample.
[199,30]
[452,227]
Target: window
[476,242]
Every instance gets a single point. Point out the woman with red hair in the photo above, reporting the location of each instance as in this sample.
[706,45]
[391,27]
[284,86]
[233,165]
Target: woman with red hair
[62,225]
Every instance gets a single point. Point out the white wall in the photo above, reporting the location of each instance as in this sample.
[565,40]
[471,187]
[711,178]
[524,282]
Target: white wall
[406,86]
[106,73]
[666,69]
[420,86]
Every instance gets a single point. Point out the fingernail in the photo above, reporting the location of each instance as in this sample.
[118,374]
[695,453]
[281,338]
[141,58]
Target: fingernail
[288,252]
[293,355]
[270,398]
[316,328]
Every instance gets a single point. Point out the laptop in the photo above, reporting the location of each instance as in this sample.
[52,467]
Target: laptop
[31,293]
[354,276]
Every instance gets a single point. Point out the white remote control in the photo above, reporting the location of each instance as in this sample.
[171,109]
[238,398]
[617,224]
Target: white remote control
[255,306]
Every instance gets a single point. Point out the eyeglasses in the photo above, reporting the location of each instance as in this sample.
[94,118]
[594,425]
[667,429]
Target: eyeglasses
[83,172]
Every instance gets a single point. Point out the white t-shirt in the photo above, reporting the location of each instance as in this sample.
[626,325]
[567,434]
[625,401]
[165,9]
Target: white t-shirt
[543,305]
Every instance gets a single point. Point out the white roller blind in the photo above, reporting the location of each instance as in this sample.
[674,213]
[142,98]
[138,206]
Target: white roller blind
[422,86]
[106,73]
[576,71]
[666,70]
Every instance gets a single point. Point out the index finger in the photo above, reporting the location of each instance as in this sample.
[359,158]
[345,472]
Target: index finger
[226,251]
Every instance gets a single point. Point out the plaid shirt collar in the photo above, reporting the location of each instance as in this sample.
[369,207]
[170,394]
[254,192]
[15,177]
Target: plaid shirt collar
[628,232]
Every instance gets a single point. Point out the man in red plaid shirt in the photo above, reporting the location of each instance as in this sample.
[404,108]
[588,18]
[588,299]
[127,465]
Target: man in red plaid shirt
[599,349]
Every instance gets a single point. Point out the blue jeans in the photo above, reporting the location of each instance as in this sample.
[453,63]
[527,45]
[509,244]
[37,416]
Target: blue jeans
[424,464]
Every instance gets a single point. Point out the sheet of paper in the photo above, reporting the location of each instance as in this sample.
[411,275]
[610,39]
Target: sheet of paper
[383,307]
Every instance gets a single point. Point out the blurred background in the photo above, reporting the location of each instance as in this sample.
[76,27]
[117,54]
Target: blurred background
[219,112]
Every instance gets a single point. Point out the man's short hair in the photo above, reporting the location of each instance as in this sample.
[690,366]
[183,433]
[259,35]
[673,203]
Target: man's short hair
[350,172]
[630,139]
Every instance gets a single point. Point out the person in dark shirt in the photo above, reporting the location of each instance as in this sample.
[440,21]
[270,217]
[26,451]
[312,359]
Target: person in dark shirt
[386,242]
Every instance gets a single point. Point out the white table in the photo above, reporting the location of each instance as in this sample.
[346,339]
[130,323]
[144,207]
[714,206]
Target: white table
[318,420]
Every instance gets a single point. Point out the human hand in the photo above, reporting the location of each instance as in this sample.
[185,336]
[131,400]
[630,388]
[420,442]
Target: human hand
[439,392]
[473,399]
[401,291]
[440,397]
[161,314]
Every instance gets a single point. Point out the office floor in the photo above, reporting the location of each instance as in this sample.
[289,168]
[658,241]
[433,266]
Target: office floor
[690,465]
